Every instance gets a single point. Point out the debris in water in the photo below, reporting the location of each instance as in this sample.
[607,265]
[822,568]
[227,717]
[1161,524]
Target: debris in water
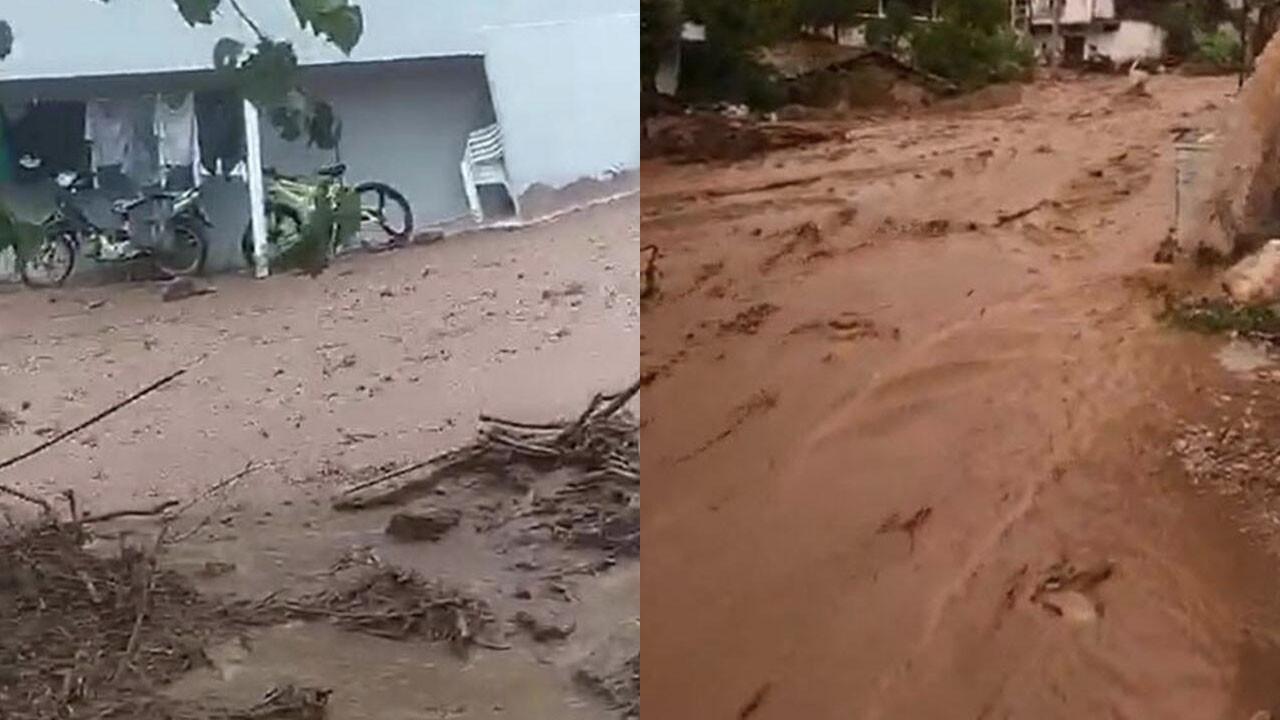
[429,525]
[910,525]
[1255,279]
[289,702]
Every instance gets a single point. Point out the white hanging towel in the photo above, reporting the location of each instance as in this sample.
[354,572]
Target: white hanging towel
[177,130]
[107,125]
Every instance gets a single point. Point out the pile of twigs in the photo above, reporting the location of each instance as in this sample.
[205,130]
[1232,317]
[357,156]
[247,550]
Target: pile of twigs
[398,604]
[84,634]
[598,508]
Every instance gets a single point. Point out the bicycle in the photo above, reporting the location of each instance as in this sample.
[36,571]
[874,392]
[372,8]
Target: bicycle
[172,235]
[291,201]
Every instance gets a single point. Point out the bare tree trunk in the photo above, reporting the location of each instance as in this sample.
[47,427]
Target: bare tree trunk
[1055,38]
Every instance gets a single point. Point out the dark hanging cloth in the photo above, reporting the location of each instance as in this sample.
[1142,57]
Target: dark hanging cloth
[6,150]
[220,119]
[54,133]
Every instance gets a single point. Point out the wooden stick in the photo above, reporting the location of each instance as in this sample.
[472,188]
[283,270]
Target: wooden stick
[96,418]
[134,512]
[131,648]
[29,498]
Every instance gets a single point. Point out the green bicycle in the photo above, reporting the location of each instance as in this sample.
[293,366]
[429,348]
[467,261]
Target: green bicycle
[290,202]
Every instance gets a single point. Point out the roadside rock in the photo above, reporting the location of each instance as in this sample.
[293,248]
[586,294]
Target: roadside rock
[544,627]
[1255,279]
[181,288]
[612,671]
[428,525]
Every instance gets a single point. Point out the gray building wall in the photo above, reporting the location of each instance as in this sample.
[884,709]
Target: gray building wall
[564,73]
[403,123]
[568,97]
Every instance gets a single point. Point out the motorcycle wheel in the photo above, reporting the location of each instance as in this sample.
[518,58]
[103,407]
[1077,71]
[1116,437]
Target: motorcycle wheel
[384,205]
[184,251]
[52,262]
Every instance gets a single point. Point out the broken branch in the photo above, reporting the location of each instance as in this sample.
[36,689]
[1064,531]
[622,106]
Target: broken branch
[96,418]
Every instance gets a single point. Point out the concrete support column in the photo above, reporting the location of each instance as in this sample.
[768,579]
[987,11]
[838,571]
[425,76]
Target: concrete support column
[257,192]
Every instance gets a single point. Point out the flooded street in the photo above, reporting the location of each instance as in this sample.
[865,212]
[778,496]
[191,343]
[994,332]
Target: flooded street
[907,437]
[383,360]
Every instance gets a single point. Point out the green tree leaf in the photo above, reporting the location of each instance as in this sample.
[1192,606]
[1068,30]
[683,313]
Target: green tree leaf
[324,130]
[226,53]
[340,22]
[24,237]
[343,27]
[6,39]
[269,74]
[197,12]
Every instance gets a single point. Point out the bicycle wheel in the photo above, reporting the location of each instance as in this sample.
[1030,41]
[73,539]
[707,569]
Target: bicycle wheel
[384,206]
[284,227]
[53,260]
[183,252]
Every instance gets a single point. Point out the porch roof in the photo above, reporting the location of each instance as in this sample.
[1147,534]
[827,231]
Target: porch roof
[84,38]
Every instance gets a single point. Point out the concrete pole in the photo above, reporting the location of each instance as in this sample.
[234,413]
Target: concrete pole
[1055,43]
[257,192]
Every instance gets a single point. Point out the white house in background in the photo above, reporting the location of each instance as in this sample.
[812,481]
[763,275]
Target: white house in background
[560,77]
[1089,28]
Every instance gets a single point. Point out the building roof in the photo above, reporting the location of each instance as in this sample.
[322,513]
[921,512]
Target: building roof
[78,38]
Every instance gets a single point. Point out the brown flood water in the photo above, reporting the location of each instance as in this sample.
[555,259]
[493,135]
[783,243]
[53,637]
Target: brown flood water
[885,412]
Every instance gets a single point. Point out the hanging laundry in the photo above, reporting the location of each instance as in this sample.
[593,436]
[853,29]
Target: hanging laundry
[6,155]
[48,139]
[176,128]
[109,127]
[142,164]
[220,120]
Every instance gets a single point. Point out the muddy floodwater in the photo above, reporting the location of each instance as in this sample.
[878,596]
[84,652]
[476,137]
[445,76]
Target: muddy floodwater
[910,437]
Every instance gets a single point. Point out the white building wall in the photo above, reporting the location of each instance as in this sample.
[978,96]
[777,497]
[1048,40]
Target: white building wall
[1073,11]
[567,95]
[1133,40]
[403,123]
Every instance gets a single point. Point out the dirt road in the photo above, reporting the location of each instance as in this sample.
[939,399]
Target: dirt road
[906,448]
[382,360]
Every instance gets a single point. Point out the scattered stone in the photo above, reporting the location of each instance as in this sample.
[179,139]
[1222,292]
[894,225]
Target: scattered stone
[612,671]
[428,525]
[426,237]
[544,628]
[1070,605]
[183,287]
[216,568]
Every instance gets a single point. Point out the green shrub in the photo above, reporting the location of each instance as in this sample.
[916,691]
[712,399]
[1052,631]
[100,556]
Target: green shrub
[968,56]
[1220,48]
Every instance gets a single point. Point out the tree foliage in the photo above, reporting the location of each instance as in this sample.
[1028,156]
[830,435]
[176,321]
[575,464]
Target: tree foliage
[834,14]
[267,75]
[969,43]
[660,23]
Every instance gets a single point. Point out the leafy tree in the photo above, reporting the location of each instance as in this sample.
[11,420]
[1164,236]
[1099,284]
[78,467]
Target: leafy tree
[834,14]
[266,74]
[888,33]
[725,66]
[969,43]
[659,31]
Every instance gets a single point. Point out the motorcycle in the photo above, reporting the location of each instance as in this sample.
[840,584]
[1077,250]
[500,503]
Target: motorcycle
[172,233]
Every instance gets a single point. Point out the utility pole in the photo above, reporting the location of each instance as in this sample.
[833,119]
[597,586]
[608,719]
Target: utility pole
[1246,46]
[1055,41]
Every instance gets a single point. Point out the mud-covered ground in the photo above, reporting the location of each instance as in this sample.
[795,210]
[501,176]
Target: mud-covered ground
[915,443]
[383,360]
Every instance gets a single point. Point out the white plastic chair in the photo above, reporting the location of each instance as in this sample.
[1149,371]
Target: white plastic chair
[482,164]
